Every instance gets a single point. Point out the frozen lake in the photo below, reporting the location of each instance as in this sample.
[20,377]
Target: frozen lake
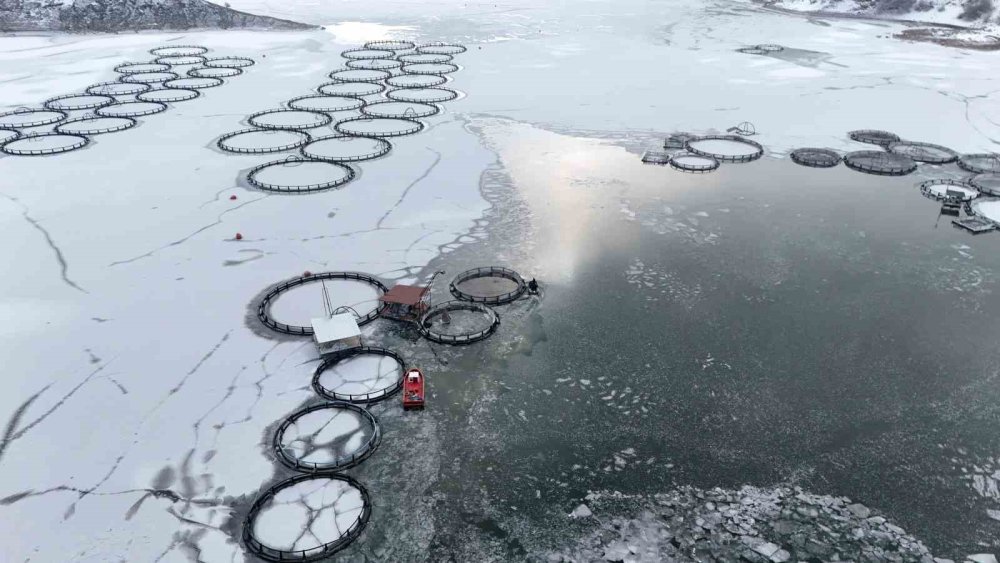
[765,324]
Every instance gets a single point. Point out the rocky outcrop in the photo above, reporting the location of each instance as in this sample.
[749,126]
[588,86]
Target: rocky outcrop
[129,15]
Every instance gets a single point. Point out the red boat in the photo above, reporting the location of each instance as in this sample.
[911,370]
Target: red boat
[413,389]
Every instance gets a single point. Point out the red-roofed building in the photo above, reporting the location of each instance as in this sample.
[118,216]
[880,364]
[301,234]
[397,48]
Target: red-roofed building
[405,302]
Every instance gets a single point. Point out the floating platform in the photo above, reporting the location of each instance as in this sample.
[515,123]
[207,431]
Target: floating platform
[974,225]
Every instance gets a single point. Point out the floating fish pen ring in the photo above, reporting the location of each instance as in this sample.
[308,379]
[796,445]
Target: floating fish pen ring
[692,162]
[874,137]
[263,309]
[816,157]
[413,110]
[73,142]
[412,127]
[223,62]
[350,75]
[117,88]
[987,183]
[382,147]
[981,163]
[937,195]
[880,163]
[407,95]
[413,58]
[56,116]
[87,101]
[373,64]
[180,60]
[364,53]
[350,102]
[185,50]
[751,50]
[149,77]
[141,67]
[325,549]
[192,83]
[214,72]
[253,119]
[432,69]
[390,45]
[923,152]
[757,153]
[770,47]
[9,135]
[489,272]
[361,453]
[347,174]
[304,138]
[120,109]
[350,89]
[441,49]
[98,124]
[406,81]
[459,339]
[365,398]
[168,95]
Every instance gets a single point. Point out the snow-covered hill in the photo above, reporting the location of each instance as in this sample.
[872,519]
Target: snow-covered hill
[962,12]
[128,15]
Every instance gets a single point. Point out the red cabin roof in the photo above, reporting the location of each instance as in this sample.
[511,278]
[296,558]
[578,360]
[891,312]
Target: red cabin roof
[404,295]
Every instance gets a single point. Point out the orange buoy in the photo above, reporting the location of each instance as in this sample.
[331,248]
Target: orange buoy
[239,236]
[232,198]
[306,274]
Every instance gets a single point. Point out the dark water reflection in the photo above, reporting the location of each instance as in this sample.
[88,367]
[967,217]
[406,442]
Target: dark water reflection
[764,324]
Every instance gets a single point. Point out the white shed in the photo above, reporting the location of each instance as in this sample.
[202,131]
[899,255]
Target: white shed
[336,332]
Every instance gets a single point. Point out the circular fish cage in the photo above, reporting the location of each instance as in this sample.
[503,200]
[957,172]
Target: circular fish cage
[257,141]
[367,126]
[74,102]
[816,158]
[422,95]
[214,72]
[725,148]
[132,67]
[430,58]
[374,64]
[770,47]
[874,137]
[924,152]
[289,118]
[987,209]
[691,162]
[391,108]
[981,163]
[26,117]
[390,45]
[264,308]
[359,75]
[753,50]
[458,322]
[298,175]
[322,103]
[117,88]
[350,89]
[326,437]
[229,62]
[363,53]
[168,95]
[441,49]
[880,163]
[405,81]
[493,285]
[987,183]
[8,135]
[44,144]
[359,375]
[434,69]
[95,125]
[149,77]
[946,189]
[266,532]
[181,60]
[345,148]
[131,109]
[193,83]
[178,50]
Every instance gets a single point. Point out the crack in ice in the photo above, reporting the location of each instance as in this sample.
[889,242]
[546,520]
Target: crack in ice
[63,265]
